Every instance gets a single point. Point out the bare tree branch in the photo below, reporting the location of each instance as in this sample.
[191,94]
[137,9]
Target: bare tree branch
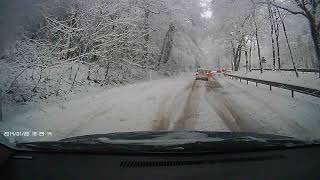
[282,7]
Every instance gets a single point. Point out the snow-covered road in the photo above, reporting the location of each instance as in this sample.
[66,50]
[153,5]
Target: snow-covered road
[178,103]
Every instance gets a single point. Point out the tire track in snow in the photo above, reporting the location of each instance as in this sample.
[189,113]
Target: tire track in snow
[216,98]
[189,115]
[228,110]
[165,115]
[161,120]
[220,105]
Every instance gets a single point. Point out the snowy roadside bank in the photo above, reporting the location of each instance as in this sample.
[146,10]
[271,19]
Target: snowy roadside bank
[310,80]
[125,108]
[275,111]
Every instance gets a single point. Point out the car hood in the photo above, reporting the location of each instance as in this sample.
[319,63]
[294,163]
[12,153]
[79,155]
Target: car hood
[168,142]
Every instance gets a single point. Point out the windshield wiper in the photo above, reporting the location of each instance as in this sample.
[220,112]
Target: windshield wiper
[238,144]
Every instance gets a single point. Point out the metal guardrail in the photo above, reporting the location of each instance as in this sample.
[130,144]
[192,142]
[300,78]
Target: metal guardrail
[299,69]
[292,88]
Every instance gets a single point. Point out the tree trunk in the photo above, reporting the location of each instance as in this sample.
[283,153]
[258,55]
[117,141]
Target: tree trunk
[75,77]
[250,54]
[233,62]
[58,84]
[257,39]
[313,17]
[89,72]
[239,57]
[277,34]
[106,73]
[246,55]
[34,89]
[166,46]
[315,38]
[232,68]
[289,47]
[70,73]
[236,55]
[278,45]
[272,37]
[146,35]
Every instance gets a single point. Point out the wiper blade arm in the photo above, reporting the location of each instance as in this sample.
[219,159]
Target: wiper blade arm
[224,145]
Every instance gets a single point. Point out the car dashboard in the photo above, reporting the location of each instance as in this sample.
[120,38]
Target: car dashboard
[296,163]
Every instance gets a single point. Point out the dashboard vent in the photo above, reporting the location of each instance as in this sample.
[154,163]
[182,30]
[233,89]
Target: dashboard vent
[137,164]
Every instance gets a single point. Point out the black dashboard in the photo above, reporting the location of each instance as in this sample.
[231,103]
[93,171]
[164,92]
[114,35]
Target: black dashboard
[297,163]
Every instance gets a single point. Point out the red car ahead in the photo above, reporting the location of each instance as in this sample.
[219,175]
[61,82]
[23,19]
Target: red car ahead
[204,74]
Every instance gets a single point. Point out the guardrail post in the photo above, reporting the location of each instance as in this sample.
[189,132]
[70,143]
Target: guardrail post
[240,79]
[256,84]
[292,95]
[247,82]
[270,88]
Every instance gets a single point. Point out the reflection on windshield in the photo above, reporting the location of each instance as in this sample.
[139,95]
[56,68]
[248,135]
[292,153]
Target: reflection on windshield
[86,67]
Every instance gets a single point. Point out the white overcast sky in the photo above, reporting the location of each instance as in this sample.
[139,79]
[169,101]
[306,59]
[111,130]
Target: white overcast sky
[207,10]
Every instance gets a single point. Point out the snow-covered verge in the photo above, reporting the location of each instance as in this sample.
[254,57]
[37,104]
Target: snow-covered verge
[125,108]
[22,82]
[310,80]
[275,112]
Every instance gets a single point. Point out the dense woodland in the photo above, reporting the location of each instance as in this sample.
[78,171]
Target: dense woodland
[60,45]
[266,34]
[53,47]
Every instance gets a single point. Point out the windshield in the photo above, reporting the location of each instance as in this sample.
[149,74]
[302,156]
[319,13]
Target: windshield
[71,68]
